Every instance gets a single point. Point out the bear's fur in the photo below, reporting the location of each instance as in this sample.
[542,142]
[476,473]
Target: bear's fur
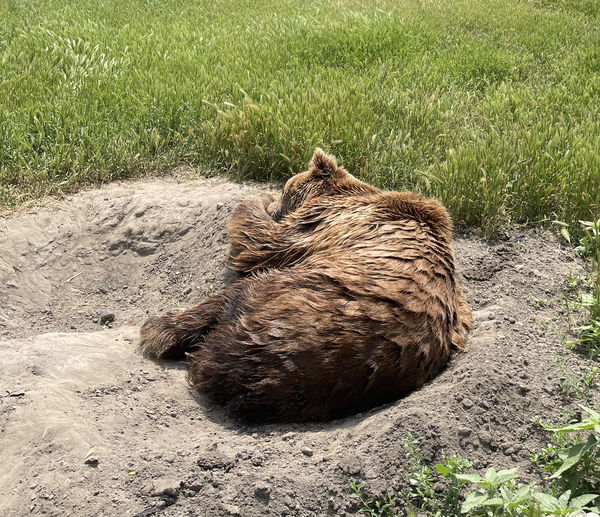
[349,300]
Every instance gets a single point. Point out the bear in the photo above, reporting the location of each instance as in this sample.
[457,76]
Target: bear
[347,299]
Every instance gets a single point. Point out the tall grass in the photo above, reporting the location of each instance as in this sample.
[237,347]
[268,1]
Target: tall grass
[493,106]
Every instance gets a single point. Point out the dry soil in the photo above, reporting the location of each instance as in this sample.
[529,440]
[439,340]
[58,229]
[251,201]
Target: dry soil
[90,428]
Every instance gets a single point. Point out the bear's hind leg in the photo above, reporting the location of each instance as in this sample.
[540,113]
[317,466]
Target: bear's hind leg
[172,335]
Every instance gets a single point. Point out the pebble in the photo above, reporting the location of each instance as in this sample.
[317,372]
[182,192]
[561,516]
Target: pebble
[307,451]
[467,403]
[232,509]
[486,439]
[262,491]
[166,486]
[331,506]
[105,317]
[258,459]
[523,390]
[193,487]
[349,465]
[288,436]
[92,461]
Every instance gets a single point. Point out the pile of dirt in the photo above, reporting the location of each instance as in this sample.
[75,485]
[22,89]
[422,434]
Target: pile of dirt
[90,428]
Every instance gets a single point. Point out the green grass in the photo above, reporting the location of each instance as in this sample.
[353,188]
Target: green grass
[493,106]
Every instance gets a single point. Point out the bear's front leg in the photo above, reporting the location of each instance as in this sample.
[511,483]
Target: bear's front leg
[251,226]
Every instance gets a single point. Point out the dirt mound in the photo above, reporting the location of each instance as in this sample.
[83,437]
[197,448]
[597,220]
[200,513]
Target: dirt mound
[89,428]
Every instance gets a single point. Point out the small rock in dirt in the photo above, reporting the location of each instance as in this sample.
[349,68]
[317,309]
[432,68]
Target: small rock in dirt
[331,506]
[219,206]
[242,455]
[288,436]
[307,451]
[232,509]
[194,487]
[92,461]
[262,491]
[215,461]
[147,512]
[486,440]
[467,403]
[464,431]
[166,487]
[16,393]
[523,390]
[258,459]
[511,451]
[106,317]
[349,465]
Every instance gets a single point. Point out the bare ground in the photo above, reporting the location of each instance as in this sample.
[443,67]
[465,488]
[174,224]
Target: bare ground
[90,428]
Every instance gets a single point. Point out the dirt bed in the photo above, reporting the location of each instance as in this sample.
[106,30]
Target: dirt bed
[90,428]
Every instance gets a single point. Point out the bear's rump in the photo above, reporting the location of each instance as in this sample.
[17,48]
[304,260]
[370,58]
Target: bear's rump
[307,345]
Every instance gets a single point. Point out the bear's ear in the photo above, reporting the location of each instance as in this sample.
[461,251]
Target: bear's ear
[322,164]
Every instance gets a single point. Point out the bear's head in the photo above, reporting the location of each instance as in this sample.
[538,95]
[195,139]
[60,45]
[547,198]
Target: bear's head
[323,178]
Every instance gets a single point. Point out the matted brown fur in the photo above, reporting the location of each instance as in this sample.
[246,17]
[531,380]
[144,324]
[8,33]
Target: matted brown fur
[349,300]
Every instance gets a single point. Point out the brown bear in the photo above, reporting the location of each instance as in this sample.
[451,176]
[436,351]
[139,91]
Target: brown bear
[349,299]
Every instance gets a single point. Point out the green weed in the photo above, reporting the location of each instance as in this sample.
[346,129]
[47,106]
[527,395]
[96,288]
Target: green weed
[581,386]
[588,341]
[572,481]
[573,456]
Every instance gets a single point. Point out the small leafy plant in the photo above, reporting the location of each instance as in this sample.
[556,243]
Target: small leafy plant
[436,491]
[588,341]
[574,456]
[572,460]
[580,386]
[372,506]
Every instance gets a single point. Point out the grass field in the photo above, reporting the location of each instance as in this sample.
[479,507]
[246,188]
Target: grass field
[493,106]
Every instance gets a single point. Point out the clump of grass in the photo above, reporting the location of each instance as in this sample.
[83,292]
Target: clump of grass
[474,102]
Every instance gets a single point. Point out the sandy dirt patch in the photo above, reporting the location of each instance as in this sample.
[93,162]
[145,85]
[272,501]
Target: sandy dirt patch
[90,428]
